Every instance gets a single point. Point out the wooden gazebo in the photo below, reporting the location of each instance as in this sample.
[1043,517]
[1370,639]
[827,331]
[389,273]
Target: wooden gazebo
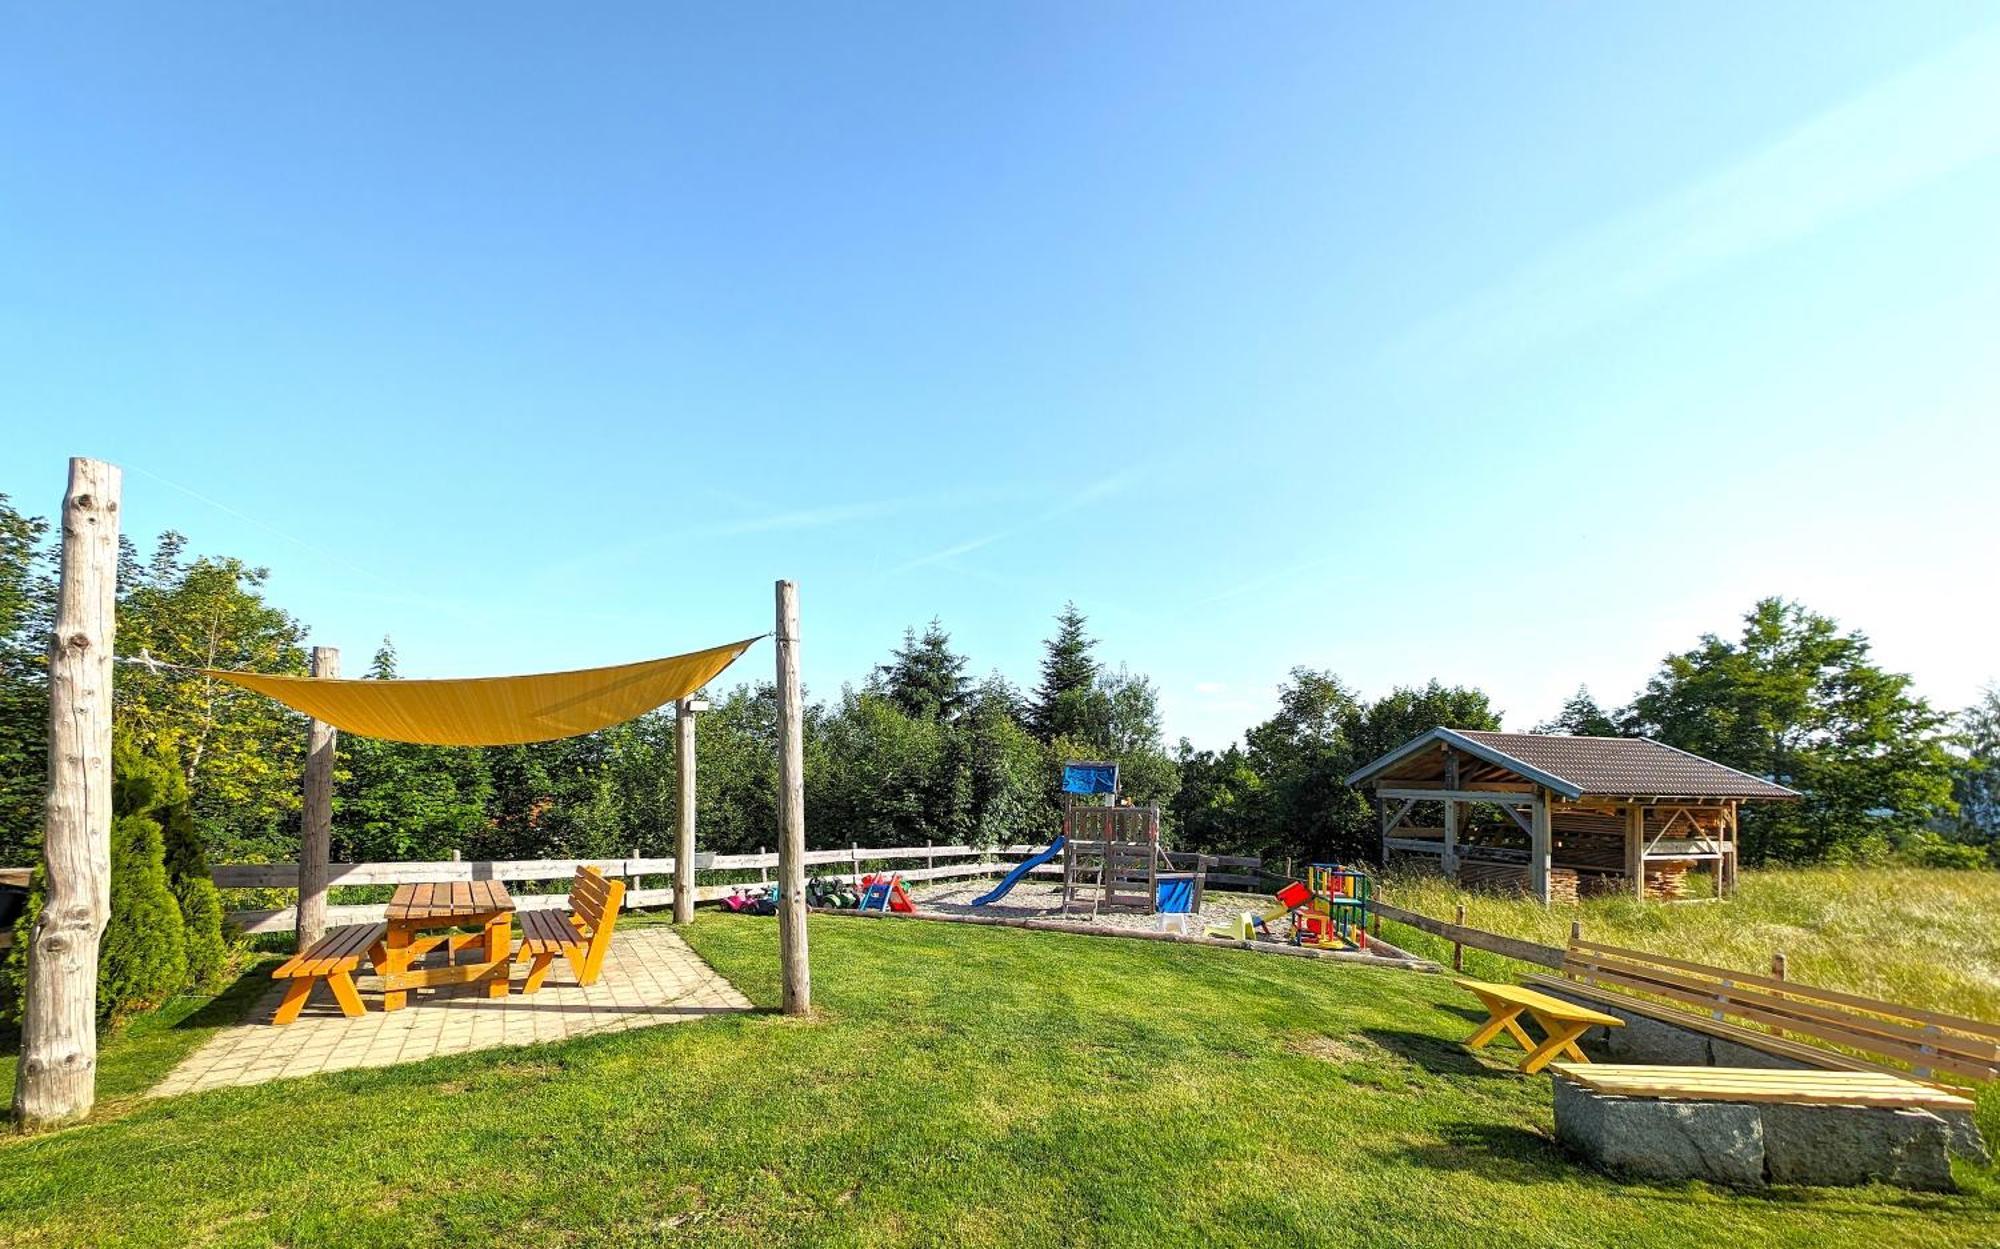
[1615,810]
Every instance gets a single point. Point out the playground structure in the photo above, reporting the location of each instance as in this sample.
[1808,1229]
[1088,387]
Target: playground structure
[1110,851]
[1328,911]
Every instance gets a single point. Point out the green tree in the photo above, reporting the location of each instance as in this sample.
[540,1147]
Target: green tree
[1007,766]
[27,599]
[1797,700]
[1976,775]
[241,754]
[1581,717]
[924,677]
[1067,702]
[1219,796]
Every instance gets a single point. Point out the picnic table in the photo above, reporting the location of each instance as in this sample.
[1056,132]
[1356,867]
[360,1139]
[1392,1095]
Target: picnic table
[1561,1022]
[417,910]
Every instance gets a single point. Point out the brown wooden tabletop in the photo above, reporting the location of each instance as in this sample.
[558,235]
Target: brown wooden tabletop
[432,905]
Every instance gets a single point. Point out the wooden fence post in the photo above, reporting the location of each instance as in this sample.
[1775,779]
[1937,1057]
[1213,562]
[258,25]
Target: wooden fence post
[794,964]
[1777,973]
[316,823]
[763,868]
[854,858]
[57,1077]
[1576,930]
[684,813]
[1458,947]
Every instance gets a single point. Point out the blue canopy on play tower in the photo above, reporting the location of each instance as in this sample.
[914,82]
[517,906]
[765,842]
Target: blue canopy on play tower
[1090,778]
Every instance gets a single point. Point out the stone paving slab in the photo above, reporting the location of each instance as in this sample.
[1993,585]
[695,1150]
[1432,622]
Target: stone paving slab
[650,977]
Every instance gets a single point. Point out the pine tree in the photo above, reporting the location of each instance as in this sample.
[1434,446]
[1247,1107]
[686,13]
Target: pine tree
[925,678]
[1063,702]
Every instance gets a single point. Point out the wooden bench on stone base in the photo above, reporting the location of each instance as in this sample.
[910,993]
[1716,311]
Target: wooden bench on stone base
[581,934]
[333,958]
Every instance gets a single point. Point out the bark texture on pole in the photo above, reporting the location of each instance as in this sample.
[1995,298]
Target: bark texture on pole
[684,814]
[793,960]
[316,828]
[57,1079]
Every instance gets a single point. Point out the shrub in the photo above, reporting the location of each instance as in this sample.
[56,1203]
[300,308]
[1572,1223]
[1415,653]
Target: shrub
[143,960]
[194,890]
[1930,850]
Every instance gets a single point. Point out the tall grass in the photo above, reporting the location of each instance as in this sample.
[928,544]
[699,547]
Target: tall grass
[1921,937]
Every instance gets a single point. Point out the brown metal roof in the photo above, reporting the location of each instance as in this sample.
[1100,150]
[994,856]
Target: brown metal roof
[1626,766]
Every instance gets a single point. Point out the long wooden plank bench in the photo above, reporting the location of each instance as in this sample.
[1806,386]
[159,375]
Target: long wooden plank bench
[1735,1084]
[333,959]
[581,934]
[1794,1021]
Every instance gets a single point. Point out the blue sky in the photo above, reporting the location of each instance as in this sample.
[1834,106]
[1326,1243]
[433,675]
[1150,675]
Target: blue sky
[1513,345]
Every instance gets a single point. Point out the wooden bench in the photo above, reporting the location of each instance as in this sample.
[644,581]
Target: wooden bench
[581,934]
[333,959]
[1739,1084]
[1561,1022]
[1880,1036]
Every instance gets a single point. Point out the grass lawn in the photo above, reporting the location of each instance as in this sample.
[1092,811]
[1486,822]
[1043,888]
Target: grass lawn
[963,1086]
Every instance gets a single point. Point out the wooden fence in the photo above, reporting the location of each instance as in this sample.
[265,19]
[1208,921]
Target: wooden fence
[1477,938]
[939,863]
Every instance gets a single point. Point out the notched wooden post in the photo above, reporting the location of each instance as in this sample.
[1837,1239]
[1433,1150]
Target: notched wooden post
[793,958]
[316,823]
[57,1078]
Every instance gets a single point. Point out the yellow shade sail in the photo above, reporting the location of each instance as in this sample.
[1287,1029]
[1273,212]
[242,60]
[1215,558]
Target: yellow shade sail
[494,711]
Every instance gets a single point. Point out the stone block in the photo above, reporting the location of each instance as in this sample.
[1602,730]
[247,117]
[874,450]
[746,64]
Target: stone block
[1846,1145]
[1722,1142]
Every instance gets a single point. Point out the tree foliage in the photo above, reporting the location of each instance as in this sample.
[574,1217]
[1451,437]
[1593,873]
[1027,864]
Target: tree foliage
[1797,700]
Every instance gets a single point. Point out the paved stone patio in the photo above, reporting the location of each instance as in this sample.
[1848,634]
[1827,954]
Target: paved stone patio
[649,977]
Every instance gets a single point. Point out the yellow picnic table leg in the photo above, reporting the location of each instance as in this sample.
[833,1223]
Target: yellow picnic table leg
[1501,1017]
[1562,1039]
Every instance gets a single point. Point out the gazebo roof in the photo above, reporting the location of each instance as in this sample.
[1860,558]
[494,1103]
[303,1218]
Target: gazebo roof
[1577,767]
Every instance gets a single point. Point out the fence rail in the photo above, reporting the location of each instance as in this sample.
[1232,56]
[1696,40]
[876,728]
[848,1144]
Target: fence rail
[977,861]
[1477,938]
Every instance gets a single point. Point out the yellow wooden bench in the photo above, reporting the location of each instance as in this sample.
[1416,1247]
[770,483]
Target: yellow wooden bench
[1561,1022]
[333,959]
[1781,1017]
[581,934]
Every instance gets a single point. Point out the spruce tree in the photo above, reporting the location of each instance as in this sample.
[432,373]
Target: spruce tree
[1063,704]
[924,677]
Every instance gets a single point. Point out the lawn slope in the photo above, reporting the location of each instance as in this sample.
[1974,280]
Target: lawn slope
[962,1086]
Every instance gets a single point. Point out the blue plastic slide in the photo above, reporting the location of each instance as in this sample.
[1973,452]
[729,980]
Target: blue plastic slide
[1013,878]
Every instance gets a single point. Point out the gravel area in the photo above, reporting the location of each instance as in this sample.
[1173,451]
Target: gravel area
[1038,900]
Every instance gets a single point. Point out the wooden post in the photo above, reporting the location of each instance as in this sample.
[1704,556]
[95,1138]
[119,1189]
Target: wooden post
[1538,847]
[793,959]
[57,1078]
[854,860]
[1575,930]
[1635,850]
[684,812]
[1458,947]
[763,868]
[1450,840]
[316,824]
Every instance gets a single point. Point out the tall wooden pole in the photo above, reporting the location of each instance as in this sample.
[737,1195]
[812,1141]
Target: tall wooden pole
[316,828]
[57,1079]
[792,957]
[684,812]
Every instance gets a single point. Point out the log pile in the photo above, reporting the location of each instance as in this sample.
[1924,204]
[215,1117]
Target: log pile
[1668,881]
[1512,878]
